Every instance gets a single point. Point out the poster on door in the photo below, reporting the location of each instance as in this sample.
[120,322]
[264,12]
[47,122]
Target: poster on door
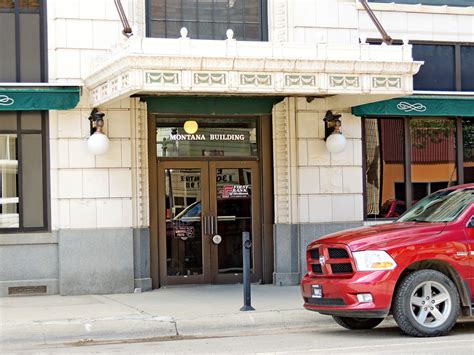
[235,191]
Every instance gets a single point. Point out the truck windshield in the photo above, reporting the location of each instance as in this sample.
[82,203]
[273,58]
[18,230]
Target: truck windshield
[442,206]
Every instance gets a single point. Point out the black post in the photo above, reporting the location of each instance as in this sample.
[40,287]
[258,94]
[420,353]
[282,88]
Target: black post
[246,245]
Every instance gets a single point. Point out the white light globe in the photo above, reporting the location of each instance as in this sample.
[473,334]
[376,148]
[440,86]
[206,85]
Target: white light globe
[336,143]
[98,143]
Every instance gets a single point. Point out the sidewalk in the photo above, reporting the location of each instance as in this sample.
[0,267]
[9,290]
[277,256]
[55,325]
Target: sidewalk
[185,311]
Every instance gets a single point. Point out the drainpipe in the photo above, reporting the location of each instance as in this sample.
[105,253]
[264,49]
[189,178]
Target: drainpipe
[385,37]
[127,30]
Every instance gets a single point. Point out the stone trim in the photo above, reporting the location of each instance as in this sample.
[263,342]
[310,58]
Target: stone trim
[177,66]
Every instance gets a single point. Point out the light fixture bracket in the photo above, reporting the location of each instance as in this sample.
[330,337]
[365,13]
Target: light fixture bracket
[96,119]
[332,123]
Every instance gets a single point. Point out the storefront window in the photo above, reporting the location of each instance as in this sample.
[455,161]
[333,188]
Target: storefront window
[433,155]
[429,164]
[206,137]
[22,170]
[468,139]
[9,216]
[384,161]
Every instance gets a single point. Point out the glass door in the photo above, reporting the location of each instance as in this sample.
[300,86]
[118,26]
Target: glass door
[183,190]
[203,209]
[234,204]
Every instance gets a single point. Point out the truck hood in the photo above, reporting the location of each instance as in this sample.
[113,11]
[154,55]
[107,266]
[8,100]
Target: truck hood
[382,236]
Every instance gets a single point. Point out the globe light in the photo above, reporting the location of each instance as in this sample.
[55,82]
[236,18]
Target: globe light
[336,142]
[98,143]
[190,127]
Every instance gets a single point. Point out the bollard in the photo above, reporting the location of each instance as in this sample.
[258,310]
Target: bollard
[246,245]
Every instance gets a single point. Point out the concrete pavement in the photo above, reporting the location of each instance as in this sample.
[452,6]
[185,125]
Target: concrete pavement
[185,311]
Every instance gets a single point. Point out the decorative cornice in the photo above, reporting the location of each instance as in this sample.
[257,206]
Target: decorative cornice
[267,69]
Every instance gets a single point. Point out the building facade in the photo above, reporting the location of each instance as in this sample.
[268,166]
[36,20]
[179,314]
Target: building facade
[214,113]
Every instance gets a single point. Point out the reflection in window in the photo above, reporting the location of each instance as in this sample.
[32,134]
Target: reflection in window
[433,160]
[9,217]
[433,155]
[384,167]
[183,222]
[468,139]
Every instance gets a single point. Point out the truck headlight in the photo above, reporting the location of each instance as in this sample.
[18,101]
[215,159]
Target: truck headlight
[373,260]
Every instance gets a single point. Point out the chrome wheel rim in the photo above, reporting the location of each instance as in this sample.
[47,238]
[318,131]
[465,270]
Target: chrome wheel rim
[430,304]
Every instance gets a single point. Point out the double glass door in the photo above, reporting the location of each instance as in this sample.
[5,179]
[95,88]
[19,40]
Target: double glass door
[204,206]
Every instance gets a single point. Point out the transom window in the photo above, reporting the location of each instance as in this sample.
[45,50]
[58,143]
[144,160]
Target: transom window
[207,19]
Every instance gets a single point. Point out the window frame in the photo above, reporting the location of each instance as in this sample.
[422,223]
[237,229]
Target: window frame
[263,21]
[457,59]
[407,157]
[43,22]
[44,131]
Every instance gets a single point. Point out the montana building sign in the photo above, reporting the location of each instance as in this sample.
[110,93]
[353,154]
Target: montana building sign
[212,137]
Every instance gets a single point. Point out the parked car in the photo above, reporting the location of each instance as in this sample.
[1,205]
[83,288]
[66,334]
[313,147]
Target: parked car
[420,268]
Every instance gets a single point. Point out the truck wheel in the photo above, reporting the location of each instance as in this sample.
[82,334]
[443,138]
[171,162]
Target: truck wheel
[357,323]
[426,304]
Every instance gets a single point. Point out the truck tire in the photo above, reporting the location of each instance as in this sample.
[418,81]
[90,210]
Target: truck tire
[426,304]
[357,323]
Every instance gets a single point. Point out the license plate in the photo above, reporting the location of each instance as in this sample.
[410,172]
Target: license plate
[316,291]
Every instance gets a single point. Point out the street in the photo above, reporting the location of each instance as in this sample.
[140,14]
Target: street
[385,339]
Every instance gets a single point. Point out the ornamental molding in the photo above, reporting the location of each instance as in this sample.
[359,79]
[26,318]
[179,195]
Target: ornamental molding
[162,78]
[382,82]
[209,79]
[169,66]
[256,80]
[344,81]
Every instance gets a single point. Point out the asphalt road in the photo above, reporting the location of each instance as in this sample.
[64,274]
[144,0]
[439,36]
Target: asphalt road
[385,339]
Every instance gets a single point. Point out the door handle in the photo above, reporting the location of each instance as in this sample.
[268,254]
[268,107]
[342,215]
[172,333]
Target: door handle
[209,225]
[205,225]
[226,218]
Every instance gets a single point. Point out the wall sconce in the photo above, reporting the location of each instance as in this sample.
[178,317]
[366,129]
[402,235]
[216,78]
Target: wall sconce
[335,140]
[98,143]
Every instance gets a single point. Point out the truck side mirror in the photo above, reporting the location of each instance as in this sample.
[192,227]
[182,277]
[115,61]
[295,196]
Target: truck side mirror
[470,224]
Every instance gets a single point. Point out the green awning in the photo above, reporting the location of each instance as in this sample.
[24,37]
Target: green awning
[419,105]
[211,105]
[39,98]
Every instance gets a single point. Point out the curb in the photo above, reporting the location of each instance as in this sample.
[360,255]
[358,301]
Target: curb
[148,327]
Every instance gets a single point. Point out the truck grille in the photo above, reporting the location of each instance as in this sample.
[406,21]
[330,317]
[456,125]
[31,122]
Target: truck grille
[338,253]
[330,260]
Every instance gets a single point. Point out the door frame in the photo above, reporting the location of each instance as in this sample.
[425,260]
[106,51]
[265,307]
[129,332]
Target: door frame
[265,159]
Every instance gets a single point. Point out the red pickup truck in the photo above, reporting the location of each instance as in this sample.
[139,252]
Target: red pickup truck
[420,268]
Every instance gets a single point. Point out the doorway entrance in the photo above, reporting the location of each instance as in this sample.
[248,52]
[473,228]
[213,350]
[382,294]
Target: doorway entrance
[210,179]
[204,206]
